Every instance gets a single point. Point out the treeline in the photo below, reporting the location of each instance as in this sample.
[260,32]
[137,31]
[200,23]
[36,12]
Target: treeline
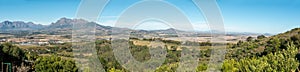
[24,60]
[208,43]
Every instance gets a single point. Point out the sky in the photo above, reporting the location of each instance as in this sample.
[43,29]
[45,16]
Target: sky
[259,16]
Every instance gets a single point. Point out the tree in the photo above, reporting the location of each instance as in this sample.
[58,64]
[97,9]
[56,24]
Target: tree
[273,45]
[174,48]
[261,37]
[249,38]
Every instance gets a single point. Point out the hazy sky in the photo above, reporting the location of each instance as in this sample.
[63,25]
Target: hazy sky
[261,16]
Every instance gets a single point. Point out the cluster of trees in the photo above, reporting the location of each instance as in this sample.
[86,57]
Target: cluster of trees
[27,60]
[12,54]
[9,52]
[282,61]
[141,53]
[54,63]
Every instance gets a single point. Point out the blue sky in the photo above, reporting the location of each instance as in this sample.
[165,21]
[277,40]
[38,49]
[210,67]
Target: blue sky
[260,16]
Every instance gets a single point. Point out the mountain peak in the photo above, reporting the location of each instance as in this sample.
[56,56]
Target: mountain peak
[15,25]
[6,22]
[63,21]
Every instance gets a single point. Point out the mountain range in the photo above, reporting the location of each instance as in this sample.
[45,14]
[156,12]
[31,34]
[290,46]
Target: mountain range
[19,25]
[65,25]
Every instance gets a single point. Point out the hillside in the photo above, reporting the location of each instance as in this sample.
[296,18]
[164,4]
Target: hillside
[281,48]
[263,45]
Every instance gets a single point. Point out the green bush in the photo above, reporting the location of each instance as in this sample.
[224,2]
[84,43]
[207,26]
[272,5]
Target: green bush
[54,64]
